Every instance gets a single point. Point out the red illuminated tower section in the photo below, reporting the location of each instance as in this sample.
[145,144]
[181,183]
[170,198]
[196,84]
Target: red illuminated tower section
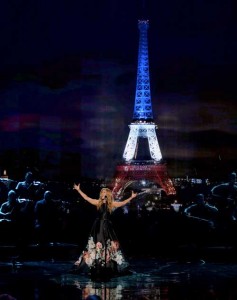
[142,158]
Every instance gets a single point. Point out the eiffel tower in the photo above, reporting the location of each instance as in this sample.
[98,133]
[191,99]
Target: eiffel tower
[142,158]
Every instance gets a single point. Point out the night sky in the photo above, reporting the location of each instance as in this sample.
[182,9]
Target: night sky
[68,79]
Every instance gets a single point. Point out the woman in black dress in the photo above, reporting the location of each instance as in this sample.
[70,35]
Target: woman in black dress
[103,256]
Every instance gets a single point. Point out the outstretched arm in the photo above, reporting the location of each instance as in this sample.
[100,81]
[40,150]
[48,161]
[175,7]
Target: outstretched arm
[84,196]
[124,202]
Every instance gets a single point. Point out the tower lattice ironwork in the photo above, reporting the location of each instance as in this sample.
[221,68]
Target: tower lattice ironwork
[142,158]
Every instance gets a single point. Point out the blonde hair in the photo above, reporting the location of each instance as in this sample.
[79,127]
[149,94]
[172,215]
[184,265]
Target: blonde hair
[110,199]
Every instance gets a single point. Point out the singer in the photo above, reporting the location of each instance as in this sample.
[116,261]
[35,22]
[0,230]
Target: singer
[103,256]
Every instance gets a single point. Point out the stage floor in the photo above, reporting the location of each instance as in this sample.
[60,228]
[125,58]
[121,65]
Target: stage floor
[163,278]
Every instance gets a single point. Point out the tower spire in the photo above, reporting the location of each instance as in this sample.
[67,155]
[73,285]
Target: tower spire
[143,106]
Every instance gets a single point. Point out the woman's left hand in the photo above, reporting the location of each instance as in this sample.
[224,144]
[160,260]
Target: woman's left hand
[133,195]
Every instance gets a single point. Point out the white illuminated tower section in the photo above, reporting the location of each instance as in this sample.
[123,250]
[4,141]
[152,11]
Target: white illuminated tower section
[142,155]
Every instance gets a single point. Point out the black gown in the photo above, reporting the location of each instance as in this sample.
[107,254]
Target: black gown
[102,256]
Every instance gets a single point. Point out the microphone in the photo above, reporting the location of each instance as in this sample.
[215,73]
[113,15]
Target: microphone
[106,202]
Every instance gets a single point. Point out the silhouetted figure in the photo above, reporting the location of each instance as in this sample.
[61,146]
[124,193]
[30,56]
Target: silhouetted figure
[28,189]
[103,257]
[202,222]
[202,213]
[10,217]
[10,208]
[176,224]
[47,225]
[19,218]
[225,197]
[3,191]
[176,206]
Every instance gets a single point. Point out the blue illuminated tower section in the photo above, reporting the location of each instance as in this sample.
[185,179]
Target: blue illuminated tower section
[142,159]
[143,107]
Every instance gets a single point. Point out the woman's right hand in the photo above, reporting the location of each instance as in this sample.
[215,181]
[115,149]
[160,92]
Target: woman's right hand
[76,187]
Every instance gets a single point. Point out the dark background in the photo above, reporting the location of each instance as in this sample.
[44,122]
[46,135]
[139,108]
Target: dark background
[68,79]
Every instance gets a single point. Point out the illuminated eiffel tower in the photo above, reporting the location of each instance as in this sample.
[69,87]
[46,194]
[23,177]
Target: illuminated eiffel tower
[142,158]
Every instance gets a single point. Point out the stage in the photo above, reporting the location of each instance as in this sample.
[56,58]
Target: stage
[47,272]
